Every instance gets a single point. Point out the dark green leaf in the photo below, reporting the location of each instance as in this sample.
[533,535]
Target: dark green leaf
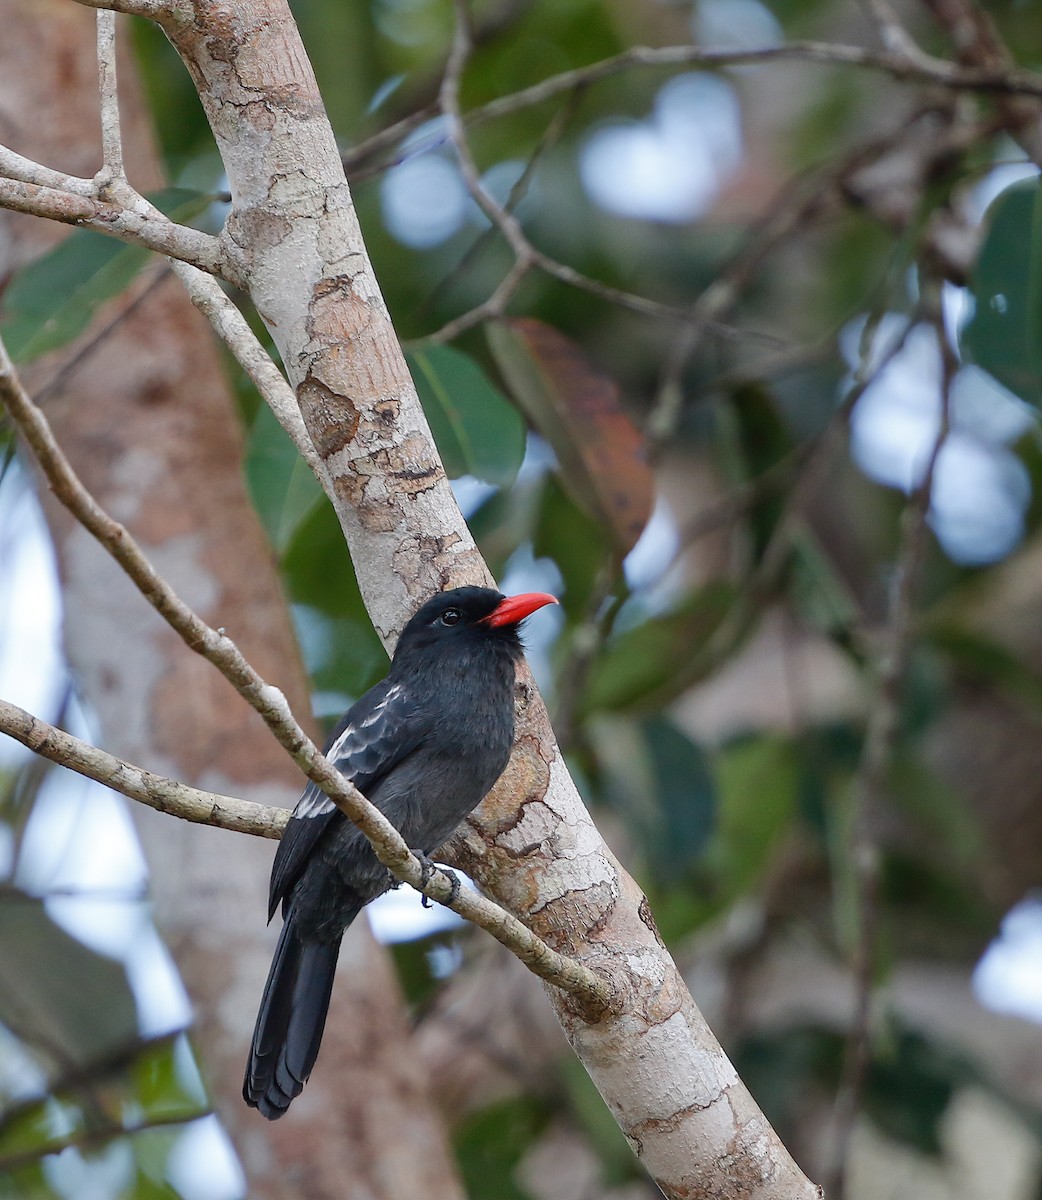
[985,660]
[477,430]
[490,1143]
[341,648]
[909,1087]
[72,1005]
[54,298]
[1004,335]
[652,663]
[661,782]
[758,782]
[282,486]
[576,543]
[786,1066]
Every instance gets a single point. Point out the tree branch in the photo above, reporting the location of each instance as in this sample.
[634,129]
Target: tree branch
[153,232]
[162,794]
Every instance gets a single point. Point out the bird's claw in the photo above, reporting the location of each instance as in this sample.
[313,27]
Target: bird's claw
[428,869]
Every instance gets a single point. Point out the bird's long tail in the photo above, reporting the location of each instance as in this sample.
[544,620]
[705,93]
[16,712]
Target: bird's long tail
[290,1022]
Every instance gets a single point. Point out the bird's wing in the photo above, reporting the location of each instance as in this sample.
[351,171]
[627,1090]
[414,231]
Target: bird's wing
[373,736]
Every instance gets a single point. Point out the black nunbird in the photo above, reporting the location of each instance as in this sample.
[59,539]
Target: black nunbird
[424,745]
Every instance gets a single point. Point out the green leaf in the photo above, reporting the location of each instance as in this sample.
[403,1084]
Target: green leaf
[662,783]
[477,430]
[652,663]
[282,486]
[758,782]
[54,298]
[908,1089]
[1004,335]
[72,1005]
[986,661]
[341,648]
[576,544]
[490,1143]
[166,1081]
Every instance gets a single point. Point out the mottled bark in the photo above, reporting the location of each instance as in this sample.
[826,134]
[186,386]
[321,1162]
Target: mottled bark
[151,427]
[294,236]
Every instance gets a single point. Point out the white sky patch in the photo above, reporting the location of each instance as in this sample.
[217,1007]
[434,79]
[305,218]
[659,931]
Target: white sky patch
[399,916]
[163,1005]
[107,1172]
[657,547]
[424,201]
[525,573]
[79,838]
[734,24]
[981,488]
[672,166]
[202,1164]
[1008,978]
[499,181]
[471,493]
[31,662]
[21,1077]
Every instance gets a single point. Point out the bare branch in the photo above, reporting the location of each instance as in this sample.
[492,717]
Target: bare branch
[922,68]
[526,255]
[111,139]
[138,8]
[16,166]
[162,794]
[157,233]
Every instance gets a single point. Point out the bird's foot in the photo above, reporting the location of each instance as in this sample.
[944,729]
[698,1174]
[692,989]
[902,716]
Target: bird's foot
[428,869]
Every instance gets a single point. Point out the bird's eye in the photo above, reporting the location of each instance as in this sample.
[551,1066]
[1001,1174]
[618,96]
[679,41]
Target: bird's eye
[451,616]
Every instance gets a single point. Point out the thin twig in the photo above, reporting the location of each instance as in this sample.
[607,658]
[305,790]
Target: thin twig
[213,644]
[881,735]
[912,65]
[892,33]
[549,138]
[111,139]
[527,256]
[920,68]
[234,330]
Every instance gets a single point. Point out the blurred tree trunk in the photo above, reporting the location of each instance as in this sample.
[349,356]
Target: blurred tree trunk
[149,423]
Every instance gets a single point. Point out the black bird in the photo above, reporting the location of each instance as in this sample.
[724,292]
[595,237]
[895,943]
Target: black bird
[424,745]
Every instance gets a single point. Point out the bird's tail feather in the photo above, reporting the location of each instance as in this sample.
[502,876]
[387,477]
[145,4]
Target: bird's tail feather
[290,1022]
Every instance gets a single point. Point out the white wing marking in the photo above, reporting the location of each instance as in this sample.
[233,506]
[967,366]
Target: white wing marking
[314,804]
[374,716]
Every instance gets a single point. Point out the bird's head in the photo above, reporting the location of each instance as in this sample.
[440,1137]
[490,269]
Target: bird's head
[469,614]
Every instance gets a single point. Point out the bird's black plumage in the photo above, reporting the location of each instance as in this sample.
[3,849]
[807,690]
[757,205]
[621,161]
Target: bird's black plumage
[424,745]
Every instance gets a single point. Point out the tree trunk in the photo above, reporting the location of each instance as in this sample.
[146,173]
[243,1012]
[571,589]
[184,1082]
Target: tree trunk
[294,239]
[149,423]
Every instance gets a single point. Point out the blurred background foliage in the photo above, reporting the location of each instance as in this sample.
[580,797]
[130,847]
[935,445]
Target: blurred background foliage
[792,511]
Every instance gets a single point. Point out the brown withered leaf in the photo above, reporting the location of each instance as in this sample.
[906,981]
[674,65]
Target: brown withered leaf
[576,407]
